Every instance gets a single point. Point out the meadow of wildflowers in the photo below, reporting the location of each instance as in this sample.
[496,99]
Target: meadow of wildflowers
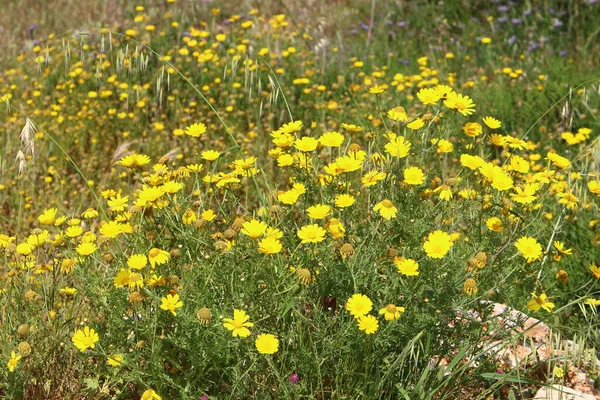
[297,200]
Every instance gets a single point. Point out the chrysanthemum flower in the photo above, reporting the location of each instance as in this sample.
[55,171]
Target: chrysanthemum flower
[595,270]
[494,224]
[254,228]
[391,312]
[368,323]
[115,360]
[460,103]
[540,301]
[414,176]
[529,248]
[150,394]
[472,129]
[438,244]
[13,362]
[311,234]
[306,144]
[158,257]
[87,248]
[48,216]
[344,200]
[85,338]
[386,209]
[171,303]
[332,139]
[318,211]
[416,124]
[398,147]
[429,96]
[137,261]
[558,161]
[492,122]
[267,344]
[239,324]
[407,266]
[359,305]
[269,245]
[195,130]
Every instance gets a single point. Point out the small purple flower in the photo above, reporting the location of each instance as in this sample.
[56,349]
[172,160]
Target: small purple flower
[557,23]
[364,26]
[503,9]
[294,378]
[32,28]
[502,20]
[516,21]
[562,53]
[354,32]
[402,24]
[204,397]
[512,40]
[533,46]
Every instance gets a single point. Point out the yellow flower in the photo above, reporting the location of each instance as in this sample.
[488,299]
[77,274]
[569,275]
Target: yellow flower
[208,215]
[336,228]
[540,301]
[368,323]
[306,144]
[386,209]
[150,394]
[210,155]
[438,244]
[376,89]
[414,176]
[13,362]
[471,162]
[398,114]
[85,338]
[344,200]
[267,344]
[318,211]
[371,178]
[569,199]
[195,130]
[359,305]
[595,270]
[472,129]
[494,224]
[525,195]
[398,147]
[115,360]
[87,248]
[311,234]
[134,160]
[428,96]
[558,161]
[332,139]
[407,266]
[529,248]
[137,261]
[158,257]
[416,124]
[492,122]
[269,245]
[171,303]
[460,103]
[254,229]
[48,216]
[239,324]
[391,312]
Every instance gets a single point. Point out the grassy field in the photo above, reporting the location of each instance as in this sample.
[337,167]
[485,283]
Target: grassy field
[303,200]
